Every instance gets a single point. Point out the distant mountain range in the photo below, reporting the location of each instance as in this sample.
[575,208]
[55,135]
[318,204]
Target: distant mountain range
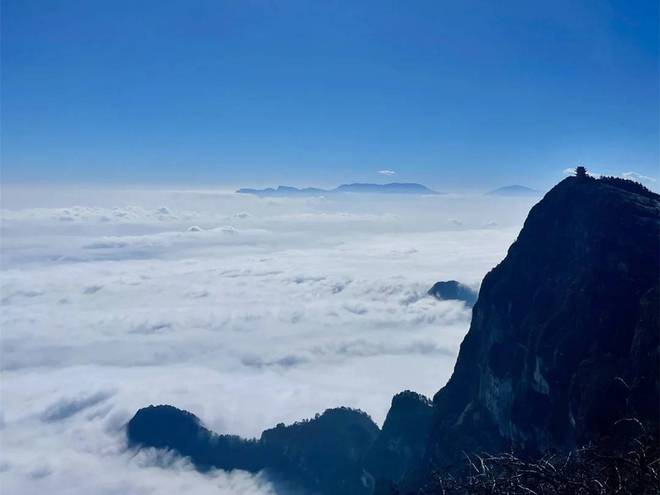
[411,188]
[515,190]
[392,188]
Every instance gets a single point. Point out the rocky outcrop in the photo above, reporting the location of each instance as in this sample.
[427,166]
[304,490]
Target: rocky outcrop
[453,290]
[401,445]
[323,455]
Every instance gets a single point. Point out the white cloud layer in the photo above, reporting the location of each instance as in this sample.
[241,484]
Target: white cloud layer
[246,311]
[386,172]
[637,177]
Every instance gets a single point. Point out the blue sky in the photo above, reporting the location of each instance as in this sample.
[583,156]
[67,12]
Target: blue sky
[451,94]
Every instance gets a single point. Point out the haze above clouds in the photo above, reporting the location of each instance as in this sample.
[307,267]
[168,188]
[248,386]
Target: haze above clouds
[246,311]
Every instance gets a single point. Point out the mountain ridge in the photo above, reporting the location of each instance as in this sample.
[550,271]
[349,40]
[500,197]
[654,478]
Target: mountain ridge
[298,452]
[357,187]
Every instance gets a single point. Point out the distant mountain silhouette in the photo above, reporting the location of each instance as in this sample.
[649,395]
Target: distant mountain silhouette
[394,187]
[563,350]
[284,191]
[453,290]
[363,188]
[515,190]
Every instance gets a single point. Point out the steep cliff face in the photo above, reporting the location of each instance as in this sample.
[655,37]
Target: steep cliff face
[564,335]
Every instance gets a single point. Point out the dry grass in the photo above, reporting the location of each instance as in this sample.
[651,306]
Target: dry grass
[634,470]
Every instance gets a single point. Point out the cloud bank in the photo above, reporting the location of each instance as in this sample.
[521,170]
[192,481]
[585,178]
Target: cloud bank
[637,177]
[246,311]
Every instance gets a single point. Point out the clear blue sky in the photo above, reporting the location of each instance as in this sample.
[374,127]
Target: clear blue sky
[451,94]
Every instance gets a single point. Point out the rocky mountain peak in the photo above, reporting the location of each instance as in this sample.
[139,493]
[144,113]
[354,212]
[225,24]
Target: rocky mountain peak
[557,329]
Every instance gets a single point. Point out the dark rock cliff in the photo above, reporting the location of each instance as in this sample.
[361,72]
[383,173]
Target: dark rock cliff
[564,335]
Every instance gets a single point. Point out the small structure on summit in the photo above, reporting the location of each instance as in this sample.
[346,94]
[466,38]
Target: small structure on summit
[581,172]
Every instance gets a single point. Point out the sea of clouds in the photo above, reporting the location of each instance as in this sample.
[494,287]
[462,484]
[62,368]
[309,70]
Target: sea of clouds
[245,311]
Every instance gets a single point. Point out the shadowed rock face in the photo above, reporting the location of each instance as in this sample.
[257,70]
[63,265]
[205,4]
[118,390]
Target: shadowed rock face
[324,454]
[453,290]
[564,335]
